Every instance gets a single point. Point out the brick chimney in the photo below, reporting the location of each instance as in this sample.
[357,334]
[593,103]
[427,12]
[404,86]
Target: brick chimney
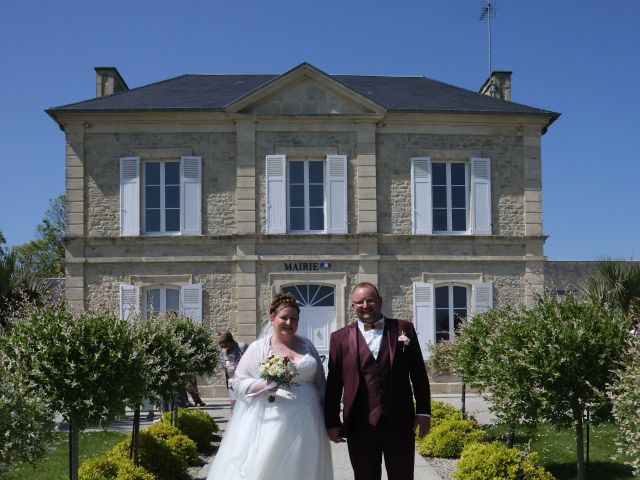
[498,85]
[109,81]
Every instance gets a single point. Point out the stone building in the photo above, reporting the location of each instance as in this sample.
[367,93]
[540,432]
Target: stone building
[207,194]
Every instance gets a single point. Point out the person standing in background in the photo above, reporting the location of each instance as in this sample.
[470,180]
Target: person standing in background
[232,351]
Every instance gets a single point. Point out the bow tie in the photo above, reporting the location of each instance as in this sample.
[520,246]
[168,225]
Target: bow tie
[377,326]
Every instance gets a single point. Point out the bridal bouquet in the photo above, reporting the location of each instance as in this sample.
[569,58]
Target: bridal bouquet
[280,370]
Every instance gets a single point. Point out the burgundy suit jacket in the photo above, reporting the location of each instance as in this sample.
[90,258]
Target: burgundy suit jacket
[407,371]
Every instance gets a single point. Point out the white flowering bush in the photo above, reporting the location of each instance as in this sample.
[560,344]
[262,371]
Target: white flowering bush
[26,422]
[625,395]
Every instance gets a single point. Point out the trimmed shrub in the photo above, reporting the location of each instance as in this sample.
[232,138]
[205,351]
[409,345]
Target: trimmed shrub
[163,430]
[105,467]
[183,447]
[441,411]
[480,461]
[449,438]
[156,456]
[195,424]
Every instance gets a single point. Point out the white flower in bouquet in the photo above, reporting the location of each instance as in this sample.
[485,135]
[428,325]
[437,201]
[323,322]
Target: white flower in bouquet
[280,370]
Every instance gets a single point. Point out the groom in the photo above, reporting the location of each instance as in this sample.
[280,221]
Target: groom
[372,361]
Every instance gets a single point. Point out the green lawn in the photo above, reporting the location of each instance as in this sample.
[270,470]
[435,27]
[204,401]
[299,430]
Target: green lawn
[558,452]
[55,464]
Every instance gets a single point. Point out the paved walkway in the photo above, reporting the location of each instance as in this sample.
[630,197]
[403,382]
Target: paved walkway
[219,409]
[341,466]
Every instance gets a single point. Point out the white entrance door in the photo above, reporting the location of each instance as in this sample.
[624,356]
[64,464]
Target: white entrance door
[317,314]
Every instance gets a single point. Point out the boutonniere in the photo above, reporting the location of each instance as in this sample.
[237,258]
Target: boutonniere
[404,339]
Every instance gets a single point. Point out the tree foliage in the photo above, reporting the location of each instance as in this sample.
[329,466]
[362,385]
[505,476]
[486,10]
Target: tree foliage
[26,421]
[85,364]
[16,286]
[3,242]
[615,283]
[44,256]
[625,395]
[549,362]
[175,349]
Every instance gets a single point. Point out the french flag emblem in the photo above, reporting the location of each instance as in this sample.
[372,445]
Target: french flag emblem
[325,265]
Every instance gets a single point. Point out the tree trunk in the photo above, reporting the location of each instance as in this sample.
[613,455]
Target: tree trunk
[511,435]
[73,449]
[135,435]
[174,414]
[463,399]
[579,448]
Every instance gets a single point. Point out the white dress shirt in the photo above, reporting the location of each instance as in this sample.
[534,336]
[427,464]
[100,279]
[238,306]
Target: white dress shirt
[373,337]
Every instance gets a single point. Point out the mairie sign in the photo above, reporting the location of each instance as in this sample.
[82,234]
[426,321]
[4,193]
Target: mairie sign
[307,266]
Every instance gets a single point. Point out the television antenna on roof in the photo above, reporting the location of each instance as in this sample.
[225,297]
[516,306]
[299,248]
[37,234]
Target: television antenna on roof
[488,12]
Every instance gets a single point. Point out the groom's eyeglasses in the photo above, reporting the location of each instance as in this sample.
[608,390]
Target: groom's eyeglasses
[369,301]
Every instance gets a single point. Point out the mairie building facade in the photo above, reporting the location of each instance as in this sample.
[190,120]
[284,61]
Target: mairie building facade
[208,194]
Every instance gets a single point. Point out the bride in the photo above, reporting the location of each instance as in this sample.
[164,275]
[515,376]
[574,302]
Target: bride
[285,439]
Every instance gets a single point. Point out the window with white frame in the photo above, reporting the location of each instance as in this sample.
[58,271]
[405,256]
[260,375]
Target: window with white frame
[160,197]
[439,308]
[184,300]
[306,196]
[159,300]
[451,304]
[451,197]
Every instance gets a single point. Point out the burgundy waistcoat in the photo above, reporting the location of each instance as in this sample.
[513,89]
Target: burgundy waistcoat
[374,378]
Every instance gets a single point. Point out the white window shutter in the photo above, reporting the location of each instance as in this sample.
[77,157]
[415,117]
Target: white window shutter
[191,302]
[276,172]
[481,196]
[191,190]
[129,196]
[336,194]
[421,195]
[424,315]
[482,297]
[129,301]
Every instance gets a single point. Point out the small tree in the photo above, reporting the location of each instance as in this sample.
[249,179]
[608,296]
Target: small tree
[441,361]
[174,349]
[625,395]
[86,364]
[485,354]
[552,361]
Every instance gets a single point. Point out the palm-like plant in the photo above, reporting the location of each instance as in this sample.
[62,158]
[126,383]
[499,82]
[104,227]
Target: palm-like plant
[615,283]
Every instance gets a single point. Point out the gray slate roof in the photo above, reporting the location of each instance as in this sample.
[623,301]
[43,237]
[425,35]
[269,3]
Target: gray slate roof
[214,92]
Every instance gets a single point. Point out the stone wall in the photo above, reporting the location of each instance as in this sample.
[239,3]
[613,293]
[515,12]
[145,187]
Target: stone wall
[394,153]
[269,143]
[102,171]
[218,287]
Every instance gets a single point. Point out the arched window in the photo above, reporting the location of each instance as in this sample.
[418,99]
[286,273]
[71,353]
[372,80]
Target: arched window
[309,295]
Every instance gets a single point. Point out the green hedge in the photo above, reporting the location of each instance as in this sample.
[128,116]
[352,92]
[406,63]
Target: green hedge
[449,438]
[106,467]
[195,424]
[480,461]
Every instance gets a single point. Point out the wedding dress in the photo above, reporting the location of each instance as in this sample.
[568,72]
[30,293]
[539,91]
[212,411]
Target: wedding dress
[282,440]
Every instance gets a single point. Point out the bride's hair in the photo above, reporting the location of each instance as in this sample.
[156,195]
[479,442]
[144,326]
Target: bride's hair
[283,300]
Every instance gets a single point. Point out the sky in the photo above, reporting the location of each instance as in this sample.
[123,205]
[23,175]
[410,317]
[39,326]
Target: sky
[579,58]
